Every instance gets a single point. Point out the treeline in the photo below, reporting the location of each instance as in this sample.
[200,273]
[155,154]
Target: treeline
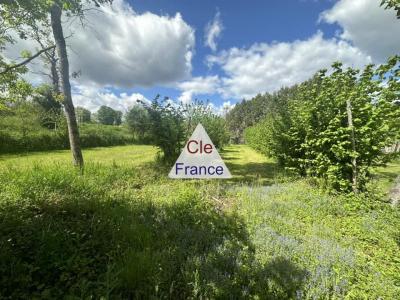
[34,121]
[333,127]
[248,112]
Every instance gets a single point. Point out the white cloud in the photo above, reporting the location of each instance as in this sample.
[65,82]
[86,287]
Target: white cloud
[368,26]
[198,86]
[213,31]
[118,47]
[121,48]
[267,67]
[92,97]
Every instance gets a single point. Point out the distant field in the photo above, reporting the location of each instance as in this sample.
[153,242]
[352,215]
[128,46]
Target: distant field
[121,155]
[124,230]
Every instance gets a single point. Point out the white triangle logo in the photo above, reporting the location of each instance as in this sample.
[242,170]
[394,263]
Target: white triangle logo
[199,159]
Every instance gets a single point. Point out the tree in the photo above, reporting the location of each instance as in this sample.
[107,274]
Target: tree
[335,127]
[33,14]
[138,120]
[108,116]
[392,4]
[167,129]
[199,112]
[73,131]
[51,109]
[248,112]
[117,117]
[83,115]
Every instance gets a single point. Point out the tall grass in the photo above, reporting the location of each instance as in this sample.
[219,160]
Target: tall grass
[123,230]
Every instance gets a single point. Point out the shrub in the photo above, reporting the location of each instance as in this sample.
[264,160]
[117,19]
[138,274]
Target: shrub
[199,112]
[335,126]
[167,129]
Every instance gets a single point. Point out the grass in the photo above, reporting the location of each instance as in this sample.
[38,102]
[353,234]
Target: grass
[249,166]
[124,230]
[386,176]
[132,155]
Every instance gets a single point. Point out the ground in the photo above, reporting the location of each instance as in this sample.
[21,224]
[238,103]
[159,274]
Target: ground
[124,230]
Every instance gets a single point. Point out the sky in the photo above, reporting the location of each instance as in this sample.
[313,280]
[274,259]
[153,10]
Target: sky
[222,51]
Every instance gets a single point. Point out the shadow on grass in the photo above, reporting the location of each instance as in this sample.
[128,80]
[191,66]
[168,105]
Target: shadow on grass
[387,175]
[263,173]
[65,236]
[230,150]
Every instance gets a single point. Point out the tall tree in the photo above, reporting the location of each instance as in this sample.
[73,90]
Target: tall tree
[138,120]
[73,131]
[20,14]
[83,115]
[108,116]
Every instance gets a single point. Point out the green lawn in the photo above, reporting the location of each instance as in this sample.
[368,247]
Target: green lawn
[247,165]
[131,155]
[124,230]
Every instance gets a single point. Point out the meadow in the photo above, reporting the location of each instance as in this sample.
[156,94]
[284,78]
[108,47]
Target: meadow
[122,230]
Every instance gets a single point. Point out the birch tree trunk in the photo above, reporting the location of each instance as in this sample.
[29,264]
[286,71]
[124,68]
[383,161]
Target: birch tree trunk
[73,132]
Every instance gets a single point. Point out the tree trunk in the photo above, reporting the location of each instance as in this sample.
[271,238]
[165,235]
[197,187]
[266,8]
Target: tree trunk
[73,131]
[54,72]
[353,146]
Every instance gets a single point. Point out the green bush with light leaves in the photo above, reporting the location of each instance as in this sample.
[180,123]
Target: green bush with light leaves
[336,125]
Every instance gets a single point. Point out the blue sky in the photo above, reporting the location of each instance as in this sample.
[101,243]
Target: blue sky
[222,51]
[243,25]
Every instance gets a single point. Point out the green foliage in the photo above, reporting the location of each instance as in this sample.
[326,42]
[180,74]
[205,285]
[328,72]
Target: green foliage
[83,115]
[108,116]
[392,4]
[312,135]
[22,129]
[167,129]
[199,112]
[96,135]
[170,125]
[122,239]
[138,120]
[248,113]
[50,114]
[332,246]
[110,233]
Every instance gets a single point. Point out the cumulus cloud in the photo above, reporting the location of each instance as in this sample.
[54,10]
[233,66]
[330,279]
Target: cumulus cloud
[213,31]
[121,48]
[368,26]
[118,47]
[92,97]
[267,67]
[198,86]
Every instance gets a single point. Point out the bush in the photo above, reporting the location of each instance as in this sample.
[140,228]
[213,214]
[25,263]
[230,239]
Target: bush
[199,112]
[335,126]
[28,136]
[97,135]
[166,128]
[170,125]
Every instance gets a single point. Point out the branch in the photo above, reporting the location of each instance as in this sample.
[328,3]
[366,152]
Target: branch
[9,68]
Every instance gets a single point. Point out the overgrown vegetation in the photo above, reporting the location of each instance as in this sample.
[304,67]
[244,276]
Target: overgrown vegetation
[27,127]
[111,233]
[169,125]
[335,126]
